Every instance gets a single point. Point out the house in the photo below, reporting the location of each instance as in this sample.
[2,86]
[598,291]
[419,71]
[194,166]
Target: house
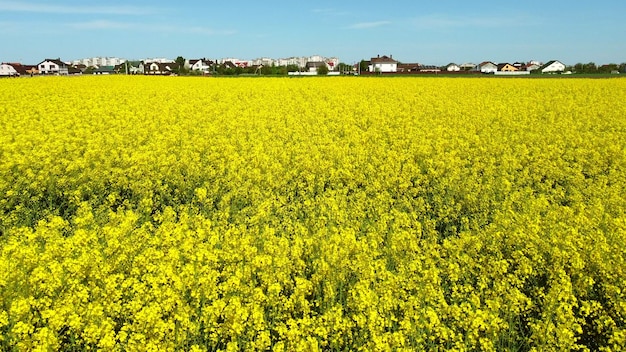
[25,70]
[230,65]
[451,67]
[506,67]
[383,64]
[415,67]
[312,66]
[8,70]
[71,70]
[532,67]
[486,67]
[80,67]
[104,70]
[158,68]
[520,66]
[53,67]
[468,66]
[203,65]
[552,67]
[128,67]
[430,69]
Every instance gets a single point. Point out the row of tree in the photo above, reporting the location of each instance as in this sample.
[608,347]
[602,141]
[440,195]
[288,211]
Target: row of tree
[591,67]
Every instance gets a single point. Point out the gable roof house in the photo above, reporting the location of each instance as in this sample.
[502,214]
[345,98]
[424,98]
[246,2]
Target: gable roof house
[452,67]
[203,65]
[414,67]
[552,67]
[467,66]
[312,66]
[128,67]
[383,64]
[506,67]
[104,70]
[8,70]
[532,67]
[53,67]
[24,70]
[158,68]
[486,67]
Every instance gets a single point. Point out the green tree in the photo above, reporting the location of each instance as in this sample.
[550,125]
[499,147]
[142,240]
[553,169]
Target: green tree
[181,70]
[608,68]
[322,70]
[344,68]
[293,68]
[590,68]
[363,65]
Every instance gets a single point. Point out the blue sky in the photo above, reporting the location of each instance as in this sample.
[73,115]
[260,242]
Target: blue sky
[433,32]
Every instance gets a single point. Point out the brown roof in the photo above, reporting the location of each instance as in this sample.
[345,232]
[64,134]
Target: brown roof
[56,61]
[383,59]
[409,67]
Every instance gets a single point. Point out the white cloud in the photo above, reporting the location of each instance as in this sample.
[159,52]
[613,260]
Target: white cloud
[144,27]
[101,24]
[366,25]
[437,21]
[14,6]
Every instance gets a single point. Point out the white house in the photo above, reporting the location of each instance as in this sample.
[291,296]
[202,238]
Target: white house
[203,65]
[453,67]
[53,66]
[383,64]
[486,67]
[532,67]
[552,66]
[467,66]
[313,66]
[157,68]
[8,70]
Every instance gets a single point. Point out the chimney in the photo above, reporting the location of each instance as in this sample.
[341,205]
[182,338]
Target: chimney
[378,56]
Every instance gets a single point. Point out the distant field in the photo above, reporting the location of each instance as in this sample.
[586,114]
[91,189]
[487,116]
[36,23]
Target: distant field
[350,213]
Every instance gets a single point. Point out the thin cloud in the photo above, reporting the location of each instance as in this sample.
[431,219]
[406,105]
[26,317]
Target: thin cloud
[142,27]
[367,25]
[101,24]
[330,12]
[323,10]
[444,22]
[13,6]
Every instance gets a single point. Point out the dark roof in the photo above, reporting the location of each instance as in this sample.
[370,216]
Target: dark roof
[21,69]
[56,61]
[548,64]
[74,70]
[409,67]
[104,69]
[383,59]
[315,64]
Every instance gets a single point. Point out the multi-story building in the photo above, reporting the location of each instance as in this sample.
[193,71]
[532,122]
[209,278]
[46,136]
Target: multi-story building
[99,61]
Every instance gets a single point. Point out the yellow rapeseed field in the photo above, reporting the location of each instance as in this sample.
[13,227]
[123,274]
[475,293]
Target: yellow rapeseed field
[334,214]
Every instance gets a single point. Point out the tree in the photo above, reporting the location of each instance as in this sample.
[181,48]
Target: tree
[293,68]
[322,69]
[590,68]
[344,68]
[266,70]
[608,68]
[181,70]
[363,65]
